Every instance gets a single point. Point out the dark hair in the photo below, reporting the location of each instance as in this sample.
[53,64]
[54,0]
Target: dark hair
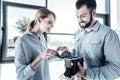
[91,4]
[41,13]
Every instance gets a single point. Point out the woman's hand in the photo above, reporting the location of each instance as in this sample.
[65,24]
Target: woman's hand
[45,54]
[48,53]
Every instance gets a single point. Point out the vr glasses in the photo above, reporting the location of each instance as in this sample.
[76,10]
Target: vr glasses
[71,66]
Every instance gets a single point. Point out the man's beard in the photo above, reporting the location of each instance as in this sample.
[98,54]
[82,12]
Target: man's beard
[87,24]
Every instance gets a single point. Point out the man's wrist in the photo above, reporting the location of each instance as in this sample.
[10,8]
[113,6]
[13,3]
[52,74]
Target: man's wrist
[84,76]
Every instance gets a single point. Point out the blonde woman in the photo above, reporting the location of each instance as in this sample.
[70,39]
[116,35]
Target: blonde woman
[31,59]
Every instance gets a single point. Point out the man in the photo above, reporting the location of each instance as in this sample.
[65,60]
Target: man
[97,44]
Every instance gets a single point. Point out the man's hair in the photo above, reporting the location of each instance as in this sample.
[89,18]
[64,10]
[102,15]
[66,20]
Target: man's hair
[91,4]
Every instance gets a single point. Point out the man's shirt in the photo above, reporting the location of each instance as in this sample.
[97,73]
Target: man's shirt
[100,49]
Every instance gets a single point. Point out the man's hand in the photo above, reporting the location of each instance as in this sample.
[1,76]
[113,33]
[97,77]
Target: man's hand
[63,48]
[81,73]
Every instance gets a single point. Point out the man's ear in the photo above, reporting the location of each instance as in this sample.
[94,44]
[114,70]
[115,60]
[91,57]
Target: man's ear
[94,12]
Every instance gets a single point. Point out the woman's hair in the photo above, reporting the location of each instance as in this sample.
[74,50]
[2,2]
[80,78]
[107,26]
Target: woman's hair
[41,13]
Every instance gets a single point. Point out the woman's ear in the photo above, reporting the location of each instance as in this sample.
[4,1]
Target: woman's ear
[39,20]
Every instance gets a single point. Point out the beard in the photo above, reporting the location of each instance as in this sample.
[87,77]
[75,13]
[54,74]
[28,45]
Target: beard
[87,24]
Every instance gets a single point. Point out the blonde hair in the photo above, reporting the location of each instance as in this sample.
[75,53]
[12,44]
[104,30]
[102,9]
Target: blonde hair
[41,13]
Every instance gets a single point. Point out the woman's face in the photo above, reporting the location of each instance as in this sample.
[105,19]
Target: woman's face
[47,23]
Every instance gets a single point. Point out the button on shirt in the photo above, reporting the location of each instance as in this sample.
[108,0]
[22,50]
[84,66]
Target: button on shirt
[27,48]
[100,49]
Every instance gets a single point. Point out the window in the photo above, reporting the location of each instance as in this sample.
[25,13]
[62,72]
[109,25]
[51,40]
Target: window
[103,6]
[66,19]
[30,2]
[12,25]
[56,40]
[66,23]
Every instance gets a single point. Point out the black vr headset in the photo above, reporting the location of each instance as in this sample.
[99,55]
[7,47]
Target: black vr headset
[71,66]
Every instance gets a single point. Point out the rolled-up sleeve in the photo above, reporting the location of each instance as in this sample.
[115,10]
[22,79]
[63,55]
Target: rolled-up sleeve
[23,69]
[111,69]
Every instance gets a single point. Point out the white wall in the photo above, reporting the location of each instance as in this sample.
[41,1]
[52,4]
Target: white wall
[7,71]
[115,14]
[118,13]
[115,17]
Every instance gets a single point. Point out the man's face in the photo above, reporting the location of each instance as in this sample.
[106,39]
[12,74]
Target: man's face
[84,17]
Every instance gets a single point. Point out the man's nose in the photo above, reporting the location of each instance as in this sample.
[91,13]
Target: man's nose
[51,26]
[80,20]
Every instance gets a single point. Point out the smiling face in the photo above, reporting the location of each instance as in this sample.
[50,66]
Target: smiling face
[84,17]
[43,22]
[47,23]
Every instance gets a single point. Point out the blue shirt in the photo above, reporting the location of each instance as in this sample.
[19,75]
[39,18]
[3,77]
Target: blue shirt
[27,48]
[100,49]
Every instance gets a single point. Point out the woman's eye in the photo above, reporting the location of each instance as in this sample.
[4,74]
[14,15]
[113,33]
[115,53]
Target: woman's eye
[50,22]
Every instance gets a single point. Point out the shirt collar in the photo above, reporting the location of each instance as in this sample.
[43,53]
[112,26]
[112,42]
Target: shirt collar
[96,26]
[28,32]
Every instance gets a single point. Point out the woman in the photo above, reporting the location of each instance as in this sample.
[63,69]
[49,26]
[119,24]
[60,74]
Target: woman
[31,50]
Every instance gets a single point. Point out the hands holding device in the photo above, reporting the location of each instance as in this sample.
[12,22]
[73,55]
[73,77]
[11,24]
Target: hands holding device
[72,64]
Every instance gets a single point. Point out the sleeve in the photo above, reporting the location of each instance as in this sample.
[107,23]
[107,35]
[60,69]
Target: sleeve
[23,70]
[111,69]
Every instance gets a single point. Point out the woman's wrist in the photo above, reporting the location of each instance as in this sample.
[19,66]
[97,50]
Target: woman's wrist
[36,62]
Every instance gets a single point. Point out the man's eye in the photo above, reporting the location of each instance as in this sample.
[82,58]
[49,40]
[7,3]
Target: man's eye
[83,16]
[77,16]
